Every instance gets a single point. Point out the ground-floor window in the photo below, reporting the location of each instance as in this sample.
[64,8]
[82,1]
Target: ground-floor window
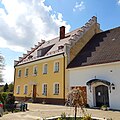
[56,88]
[25,89]
[18,89]
[44,89]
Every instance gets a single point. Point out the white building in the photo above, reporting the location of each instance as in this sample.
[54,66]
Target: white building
[96,70]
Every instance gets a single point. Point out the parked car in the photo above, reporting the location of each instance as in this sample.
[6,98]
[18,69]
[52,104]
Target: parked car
[1,109]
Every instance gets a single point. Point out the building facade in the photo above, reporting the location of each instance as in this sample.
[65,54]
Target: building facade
[41,74]
[97,68]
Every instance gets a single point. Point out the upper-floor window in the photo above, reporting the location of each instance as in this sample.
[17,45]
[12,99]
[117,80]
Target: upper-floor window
[44,89]
[45,69]
[26,72]
[35,70]
[25,89]
[18,89]
[19,73]
[56,67]
[56,88]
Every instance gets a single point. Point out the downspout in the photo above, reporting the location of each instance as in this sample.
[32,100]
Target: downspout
[64,77]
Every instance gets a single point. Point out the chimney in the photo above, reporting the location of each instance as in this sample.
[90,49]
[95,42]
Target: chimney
[62,32]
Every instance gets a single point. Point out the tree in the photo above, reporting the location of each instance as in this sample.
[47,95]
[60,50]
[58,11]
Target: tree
[11,87]
[75,99]
[6,87]
[1,67]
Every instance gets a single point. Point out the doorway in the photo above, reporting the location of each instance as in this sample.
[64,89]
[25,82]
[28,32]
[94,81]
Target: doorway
[34,92]
[102,97]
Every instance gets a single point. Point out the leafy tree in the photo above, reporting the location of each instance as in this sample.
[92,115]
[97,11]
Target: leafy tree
[75,99]
[1,67]
[6,87]
[11,87]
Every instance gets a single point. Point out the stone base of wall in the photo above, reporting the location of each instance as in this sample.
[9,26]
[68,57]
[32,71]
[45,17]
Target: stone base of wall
[42,100]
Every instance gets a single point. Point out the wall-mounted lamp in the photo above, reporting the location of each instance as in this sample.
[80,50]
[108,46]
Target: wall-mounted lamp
[113,86]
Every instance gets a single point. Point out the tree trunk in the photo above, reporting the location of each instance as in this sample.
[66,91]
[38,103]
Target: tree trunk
[75,112]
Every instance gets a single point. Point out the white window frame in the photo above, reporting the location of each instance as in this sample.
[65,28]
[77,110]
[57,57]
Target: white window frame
[35,67]
[19,73]
[18,89]
[44,89]
[45,68]
[26,75]
[56,66]
[56,92]
[25,90]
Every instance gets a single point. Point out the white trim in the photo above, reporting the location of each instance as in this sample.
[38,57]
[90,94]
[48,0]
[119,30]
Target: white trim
[41,61]
[92,66]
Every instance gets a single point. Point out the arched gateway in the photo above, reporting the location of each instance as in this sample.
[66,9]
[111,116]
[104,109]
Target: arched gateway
[101,91]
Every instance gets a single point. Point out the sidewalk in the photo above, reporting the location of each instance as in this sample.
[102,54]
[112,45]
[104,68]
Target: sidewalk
[38,111]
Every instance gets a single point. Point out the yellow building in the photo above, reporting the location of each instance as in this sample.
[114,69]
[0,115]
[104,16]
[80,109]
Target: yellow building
[41,75]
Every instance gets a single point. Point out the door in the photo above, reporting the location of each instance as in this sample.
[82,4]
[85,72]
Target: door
[102,97]
[34,92]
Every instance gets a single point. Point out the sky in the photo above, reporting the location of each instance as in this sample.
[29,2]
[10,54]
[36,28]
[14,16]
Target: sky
[23,23]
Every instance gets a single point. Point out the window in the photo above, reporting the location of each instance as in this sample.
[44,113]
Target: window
[35,71]
[56,67]
[39,53]
[45,69]
[19,73]
[26,72]
[56,88]
[18,89]
[25,89]
[44,89]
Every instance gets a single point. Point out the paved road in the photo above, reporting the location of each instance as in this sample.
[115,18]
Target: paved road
[39,111]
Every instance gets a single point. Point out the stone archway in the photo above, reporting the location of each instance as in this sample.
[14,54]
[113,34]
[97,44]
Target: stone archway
[101,94]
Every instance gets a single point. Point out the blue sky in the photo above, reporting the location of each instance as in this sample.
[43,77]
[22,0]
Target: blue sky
[24,23]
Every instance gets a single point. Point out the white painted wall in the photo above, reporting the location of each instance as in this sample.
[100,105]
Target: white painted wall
[110,72]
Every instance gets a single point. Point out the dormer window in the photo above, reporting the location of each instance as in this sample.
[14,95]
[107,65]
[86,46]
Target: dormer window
[41,52]
[60,47]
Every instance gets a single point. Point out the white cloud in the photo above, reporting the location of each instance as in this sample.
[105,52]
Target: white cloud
[8,74]
[80,6]
[118,2]
[23,23]
[27,22]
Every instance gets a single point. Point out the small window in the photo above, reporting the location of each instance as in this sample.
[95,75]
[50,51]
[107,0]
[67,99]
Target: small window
[26,72]
[45,69]
[56,67]
[35,70]
[25,89]
[44,89]
[60,47]
[56,88]
[19,73]
[18,89]
[39,53]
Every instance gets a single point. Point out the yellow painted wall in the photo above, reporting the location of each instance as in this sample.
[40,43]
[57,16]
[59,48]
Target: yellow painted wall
[50,78]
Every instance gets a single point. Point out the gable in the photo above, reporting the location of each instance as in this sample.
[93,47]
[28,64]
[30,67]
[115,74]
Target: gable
[104,47]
